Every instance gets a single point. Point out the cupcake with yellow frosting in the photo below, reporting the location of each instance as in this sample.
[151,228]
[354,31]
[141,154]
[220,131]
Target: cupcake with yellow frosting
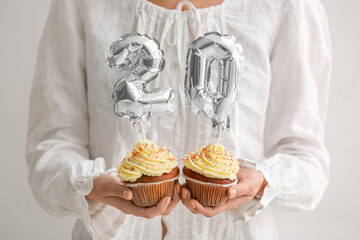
[209,172]
[150,171]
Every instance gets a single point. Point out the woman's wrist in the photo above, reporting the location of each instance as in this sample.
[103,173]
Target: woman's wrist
[92,196]
[264,183]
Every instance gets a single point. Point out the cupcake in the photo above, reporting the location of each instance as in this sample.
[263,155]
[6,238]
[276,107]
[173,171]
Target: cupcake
[150,172]
[209,172]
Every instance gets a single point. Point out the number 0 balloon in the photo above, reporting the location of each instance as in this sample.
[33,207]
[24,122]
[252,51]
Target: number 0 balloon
[142,59]
[223,53]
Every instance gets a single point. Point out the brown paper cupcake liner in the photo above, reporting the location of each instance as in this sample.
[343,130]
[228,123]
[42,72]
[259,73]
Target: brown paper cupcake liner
[206,193]
[150,194]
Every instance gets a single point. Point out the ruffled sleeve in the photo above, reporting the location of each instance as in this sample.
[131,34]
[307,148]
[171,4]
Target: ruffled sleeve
[60,169]
[296,162]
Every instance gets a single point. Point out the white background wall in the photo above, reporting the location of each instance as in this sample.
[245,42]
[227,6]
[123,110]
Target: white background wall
[338,215]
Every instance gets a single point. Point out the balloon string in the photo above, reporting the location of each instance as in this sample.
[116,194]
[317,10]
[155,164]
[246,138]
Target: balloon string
[217,140]
[143,137]
[142,134]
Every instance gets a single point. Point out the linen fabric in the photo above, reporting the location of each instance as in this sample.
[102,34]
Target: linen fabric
[277,125]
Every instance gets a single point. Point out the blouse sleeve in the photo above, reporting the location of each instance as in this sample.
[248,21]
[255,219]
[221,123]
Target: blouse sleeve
[60,171]
[296,163]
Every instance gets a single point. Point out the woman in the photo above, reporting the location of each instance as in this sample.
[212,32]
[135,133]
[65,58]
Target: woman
[277,126]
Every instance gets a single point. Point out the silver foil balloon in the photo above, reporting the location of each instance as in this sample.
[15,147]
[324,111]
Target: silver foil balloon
[213,68]
[142,59]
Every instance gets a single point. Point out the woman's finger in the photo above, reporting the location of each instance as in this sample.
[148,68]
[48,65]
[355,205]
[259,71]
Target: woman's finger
[213,211]
[251,182]
[152,212]
[116,189]
[123,205]
[128,207]
[242,188]
[208,211]
[185,199]
[236,202]
[175,199]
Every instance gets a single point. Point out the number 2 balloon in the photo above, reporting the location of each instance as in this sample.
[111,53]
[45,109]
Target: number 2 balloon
[142,59]
[214,58]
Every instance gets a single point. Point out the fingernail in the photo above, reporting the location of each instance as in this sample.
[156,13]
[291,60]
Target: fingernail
[192,204]
[127,194]
[232,193]
[178,189]
[183,194]
[167,201]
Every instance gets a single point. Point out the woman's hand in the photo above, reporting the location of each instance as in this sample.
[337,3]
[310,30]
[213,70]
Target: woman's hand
[109,190]
[250,183]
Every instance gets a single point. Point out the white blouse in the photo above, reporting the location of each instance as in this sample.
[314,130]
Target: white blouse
[277,126]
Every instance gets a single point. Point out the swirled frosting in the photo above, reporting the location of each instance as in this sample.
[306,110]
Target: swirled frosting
[212,161]
[146,158]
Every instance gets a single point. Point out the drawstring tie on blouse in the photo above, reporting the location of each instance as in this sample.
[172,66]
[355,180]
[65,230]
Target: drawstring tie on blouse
[193,10]
[175,26]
